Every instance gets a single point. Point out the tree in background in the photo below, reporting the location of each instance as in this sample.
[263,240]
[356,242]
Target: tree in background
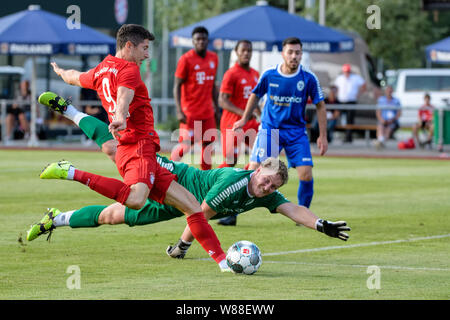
[405,29]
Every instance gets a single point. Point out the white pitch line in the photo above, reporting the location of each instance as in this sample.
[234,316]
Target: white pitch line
[358,266]
[375,243]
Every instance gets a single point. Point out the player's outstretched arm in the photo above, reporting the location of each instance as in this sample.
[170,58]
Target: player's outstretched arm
[252,103]
[322,142]
[71,76]
[306,217]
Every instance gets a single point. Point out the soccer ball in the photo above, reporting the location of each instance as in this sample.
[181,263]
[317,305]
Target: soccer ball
[244,257]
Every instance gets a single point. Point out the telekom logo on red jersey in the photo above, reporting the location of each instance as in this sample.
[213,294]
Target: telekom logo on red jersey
[200,77]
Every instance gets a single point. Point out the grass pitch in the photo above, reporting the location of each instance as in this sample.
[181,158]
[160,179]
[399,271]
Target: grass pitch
[398,211]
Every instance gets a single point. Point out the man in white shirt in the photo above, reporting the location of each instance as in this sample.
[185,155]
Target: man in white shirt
[350,86]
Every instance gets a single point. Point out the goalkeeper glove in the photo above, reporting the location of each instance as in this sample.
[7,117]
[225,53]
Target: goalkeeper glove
[179,249]
[333,229]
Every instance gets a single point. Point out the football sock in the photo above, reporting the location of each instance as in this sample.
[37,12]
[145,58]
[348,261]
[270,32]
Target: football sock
[86,217]
[203,232]
[305,193]
[108,187]
[62,219]
[206,154]
[95,129]
[73,114]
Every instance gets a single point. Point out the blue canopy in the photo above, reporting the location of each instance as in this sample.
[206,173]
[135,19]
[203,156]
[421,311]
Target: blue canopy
[265,26]
[38,32]
[439,52]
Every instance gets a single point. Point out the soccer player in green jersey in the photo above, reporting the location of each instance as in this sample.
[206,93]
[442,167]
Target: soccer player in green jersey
[221,192]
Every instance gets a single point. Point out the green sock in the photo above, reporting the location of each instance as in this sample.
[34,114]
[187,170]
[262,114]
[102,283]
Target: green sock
[95,129]
[86,217]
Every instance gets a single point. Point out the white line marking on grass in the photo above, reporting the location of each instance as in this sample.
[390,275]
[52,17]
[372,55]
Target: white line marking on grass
[358,266]
[375,243]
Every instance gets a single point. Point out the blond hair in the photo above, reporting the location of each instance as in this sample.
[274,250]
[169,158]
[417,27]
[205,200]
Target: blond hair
[278,166]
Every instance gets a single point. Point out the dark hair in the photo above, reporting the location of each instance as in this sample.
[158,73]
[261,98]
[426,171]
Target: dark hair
[292,40]
[242,41]
[200,29]
[427,95]
[134,33]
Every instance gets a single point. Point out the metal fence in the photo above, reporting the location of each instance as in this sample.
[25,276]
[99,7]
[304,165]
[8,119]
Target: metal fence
[164,110]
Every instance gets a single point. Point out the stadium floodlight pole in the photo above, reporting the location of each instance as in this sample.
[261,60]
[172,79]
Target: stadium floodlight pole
[165,54]
[150,28]
[33,142]
[291,7]
[322,6]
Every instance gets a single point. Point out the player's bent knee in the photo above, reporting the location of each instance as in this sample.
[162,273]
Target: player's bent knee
[110,148]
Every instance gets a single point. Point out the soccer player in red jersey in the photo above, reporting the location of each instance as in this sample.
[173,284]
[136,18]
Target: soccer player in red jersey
[237,85]
[124,96]
[196,96]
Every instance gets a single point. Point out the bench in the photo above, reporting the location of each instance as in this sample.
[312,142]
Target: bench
[367,128]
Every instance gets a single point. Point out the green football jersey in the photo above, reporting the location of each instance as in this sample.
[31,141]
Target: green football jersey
[224,190]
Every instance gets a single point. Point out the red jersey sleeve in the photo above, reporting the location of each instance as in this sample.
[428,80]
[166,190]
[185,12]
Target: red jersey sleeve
[227,85]
[182,68]
[87,79]
[129,77]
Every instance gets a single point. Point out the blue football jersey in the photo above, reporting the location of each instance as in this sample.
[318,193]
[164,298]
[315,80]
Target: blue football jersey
[287,96]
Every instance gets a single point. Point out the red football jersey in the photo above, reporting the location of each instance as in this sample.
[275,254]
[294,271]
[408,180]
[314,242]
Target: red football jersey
[106,78]
[238,83]
[199,76]
[426,113]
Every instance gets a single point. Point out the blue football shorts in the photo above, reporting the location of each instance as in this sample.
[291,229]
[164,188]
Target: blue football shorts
[295,142]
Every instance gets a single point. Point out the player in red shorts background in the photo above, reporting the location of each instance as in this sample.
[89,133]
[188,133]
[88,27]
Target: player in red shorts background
[195,95]
[124,96]
[237,85]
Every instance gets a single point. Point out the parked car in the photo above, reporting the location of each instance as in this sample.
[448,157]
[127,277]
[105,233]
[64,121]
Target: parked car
[410,86]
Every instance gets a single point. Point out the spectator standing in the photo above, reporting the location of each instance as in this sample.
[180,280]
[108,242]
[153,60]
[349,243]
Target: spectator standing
[387,117]
[196,96]
[425,122]
[349,87]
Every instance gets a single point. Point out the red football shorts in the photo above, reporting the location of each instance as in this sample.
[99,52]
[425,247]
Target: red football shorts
[137,163]
[198,130]
[231,140]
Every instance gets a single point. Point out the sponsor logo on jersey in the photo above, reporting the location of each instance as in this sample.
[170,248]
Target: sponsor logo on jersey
[276,85]
[249,202]
[285,101]
[196,67]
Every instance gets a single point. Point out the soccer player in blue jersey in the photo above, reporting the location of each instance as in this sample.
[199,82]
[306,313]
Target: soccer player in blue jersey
[283,126]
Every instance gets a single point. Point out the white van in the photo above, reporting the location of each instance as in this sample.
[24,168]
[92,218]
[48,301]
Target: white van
[410,86]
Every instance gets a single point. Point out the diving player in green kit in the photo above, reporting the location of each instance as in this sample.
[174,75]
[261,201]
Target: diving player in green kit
[221,192]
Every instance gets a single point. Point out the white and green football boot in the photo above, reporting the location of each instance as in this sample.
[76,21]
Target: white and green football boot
[53,101]
[44,226]
[56,170]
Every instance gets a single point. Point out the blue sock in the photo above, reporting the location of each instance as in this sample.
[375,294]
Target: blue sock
[305,193]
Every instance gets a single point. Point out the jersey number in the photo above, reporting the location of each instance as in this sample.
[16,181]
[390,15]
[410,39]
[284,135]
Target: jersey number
[107,94]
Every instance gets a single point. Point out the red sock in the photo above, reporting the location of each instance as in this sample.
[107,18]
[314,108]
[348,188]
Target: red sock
[109,187]
[205,235]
